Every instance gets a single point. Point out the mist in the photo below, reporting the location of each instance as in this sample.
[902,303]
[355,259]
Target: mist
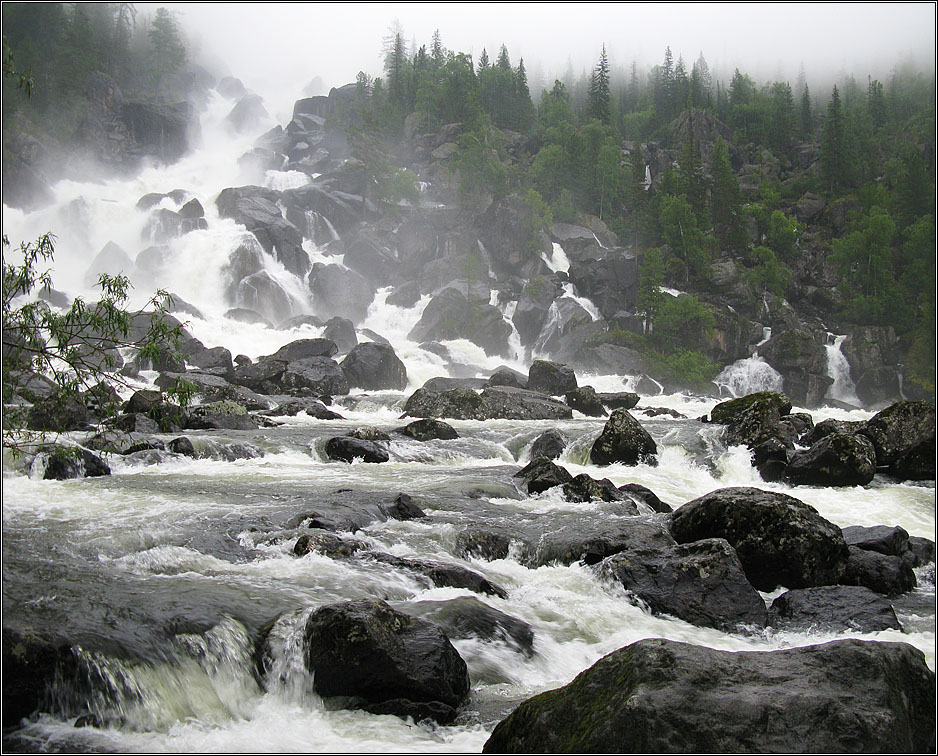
[272,46]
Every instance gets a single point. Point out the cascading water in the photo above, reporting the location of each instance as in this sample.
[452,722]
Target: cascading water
[175,577]
[749,375]
[843,388]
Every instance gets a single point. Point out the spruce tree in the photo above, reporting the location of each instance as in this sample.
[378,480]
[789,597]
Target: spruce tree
[598,97]
[166,47]
[726,202]
[483,62]
[836,162]
[807,120]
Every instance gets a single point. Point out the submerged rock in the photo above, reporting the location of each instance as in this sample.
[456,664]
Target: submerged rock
[348,449]
[468,617]
[835,460]
[833,608]
[661,696]
[429,429]
[541,474]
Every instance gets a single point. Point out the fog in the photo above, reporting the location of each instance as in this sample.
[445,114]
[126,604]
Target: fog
[272,47]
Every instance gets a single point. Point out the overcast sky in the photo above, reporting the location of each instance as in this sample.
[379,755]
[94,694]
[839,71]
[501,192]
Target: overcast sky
[268,45]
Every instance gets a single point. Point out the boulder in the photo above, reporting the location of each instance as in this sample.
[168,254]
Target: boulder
[320,376]
[459,403]
[590,542]
[374,367]
[342,332]
[304,348]
[443,574]
[899,428]
[32,663]
[227,415]
[729,412]
[365,649]
[619,400]
[551,378]
[533,307]
[348,449]
[585,400]
[702,583]
[449,315]
[59,413]
[549,444]
[833,608]
[827,428]
[835,460]
[584,488]
[612,283]
[468,617]
[880,538]
[429,429]
[483,544]
[883,573]
[541,474]
[503,402]
[623,441]
[66,463]
[662,696]
[402,508]
[505,376]
[328,544]
[645,495]
[779,539]
[340,292]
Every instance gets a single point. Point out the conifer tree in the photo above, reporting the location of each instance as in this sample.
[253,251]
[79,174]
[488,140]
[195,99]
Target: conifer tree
[598,97]
[807,120]
[483,62]
[726,202]
[166,47]
[836,162]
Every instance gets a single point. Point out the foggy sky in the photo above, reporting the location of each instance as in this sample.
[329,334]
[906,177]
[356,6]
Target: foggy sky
[272,45]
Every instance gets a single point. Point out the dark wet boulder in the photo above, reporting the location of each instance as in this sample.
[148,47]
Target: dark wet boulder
[348,449]
[443,574]
[883,573]
[835,460]
[702,583]
[611,283]
[429,429]
[459,403]
[619,400]
[468,617]
[779,539]
[552,378]
[183,446]
[829,428]
[541,474]
[342,332]
[215,361]
[312,407]
[549,444]
[374,367]
[648,497]
[402,507]
[301,349]
[369,433]
[833,608]
[899,428]
[328,544]
[662,696]
[801,359]
[584,488]
[263,376]
[317,376]
[367,650]
[510,403]
[533,308]
[505,376]
[449,315]
[224,415]
[623,441]
[729,411]
[880,538]
[923,549]
[68,462]
[585,400]
[917,463]
[32,663]
[483,544]
[59,413]
[591,541]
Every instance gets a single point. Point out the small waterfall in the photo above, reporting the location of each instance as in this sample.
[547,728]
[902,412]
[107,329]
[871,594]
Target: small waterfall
[585,303]
[750,375]
[558,261]
[843,389]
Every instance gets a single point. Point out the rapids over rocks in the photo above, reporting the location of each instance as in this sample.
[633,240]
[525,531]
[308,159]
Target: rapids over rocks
[178,603]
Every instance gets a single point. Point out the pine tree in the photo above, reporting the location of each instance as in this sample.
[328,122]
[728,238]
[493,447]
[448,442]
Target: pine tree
[598,98]
[503,61]
[166,47]
[876,103]
[836,162]
[525,108]
[782,116]
[663,88]
[726,202]
[483,62]
[680,87]
[807,119]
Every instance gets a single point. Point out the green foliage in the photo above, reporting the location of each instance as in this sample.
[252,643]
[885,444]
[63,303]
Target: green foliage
[167,51]
[598,96]
[480,170]
[769,274]
[651,274]
[537,220]
[726,202]
[75,349]
[838,161]
[686,368]
[679,225]
[680,324]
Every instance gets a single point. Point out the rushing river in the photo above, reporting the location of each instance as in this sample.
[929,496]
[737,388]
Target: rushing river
[164,572]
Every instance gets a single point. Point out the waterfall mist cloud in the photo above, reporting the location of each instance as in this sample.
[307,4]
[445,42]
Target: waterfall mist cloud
[273,45]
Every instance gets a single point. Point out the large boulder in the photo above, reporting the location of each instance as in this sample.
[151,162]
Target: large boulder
[468,617]
[884,573]
[780,540]
[880,538]
[662,696]
[900,428]
[165,131]
[623,441]
[701,582]
[503,402]
[65,463]
[449,315]
[533,307]
[340,292]
[374,367]
[833,608]
[320,376]
[551,378]
[541,474]
[730,411]
[802,360]
[349,448]
[835,460]
[611,283]
[367,650]
[590,541]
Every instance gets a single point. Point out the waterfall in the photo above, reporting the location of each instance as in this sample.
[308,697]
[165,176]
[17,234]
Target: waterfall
[843,388]
[750,375]
[558,260]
